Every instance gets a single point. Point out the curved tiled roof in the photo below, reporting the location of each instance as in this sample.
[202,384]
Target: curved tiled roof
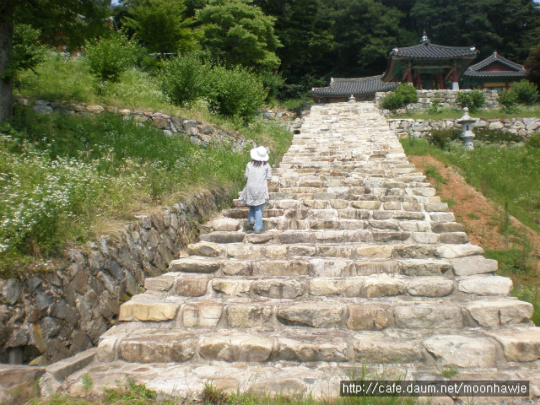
[346,87]
[427,50]
[515,69]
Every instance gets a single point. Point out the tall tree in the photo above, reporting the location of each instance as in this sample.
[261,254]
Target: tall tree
[71,21]
[239,34]
[364,31]
[533,65]
[161,25]
[505,26]
[304,34]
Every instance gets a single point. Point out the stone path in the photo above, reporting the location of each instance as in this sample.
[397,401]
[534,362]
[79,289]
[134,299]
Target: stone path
[361,265]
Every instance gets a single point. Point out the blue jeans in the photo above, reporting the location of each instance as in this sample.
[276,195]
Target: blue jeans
[256,214]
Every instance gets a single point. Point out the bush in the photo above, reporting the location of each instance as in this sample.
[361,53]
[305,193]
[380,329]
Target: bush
[507,99]
[236,92]
[525,92]
[435,109]
[495,136]
[392,102]
[473,100]
[27,51]
[185,79]
[533,141]
[442,137]
[112,55]
[408,93]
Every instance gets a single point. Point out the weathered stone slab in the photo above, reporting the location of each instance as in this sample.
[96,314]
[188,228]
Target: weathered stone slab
[374,252]
[519,344]
[313,348]
[158,348]
[453,251]
[494,313]
[331,287]
[232,287]
[203,315]
[205,249]
[236,348]
[374,267]
[279,288]
[467,266]
[424,267]
[148,311]
[282,268]
[371,349]
[485,285]
[191,287]
[426,316]
[236,268]
[430,287]
[161,283]
[382,287]
[317,315]
[368,317]
[248,315]
[462,351]
[190,265]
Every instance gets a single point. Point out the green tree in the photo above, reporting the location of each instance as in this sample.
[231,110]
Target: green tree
[364,31]
[239,34]
[532,64]
[111,55]
[161,25]
[67,22]
[27,50]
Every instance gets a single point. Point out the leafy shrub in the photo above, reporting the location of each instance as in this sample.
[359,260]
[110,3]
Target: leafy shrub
[392,102]
[508,99]
[442,137]
[408,93]
[525,92]
[27,51]
[473,100]
[495,136]
[112,55]
[533,141]
[434,109]
[236,92]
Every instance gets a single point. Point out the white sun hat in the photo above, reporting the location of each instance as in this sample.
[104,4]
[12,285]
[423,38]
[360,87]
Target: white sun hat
[260,154]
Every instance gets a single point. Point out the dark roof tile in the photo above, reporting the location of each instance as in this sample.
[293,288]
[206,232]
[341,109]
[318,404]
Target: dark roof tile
[516,70]
[346,87]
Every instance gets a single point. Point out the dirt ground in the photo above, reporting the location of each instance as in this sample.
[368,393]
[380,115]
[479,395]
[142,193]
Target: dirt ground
[481,219]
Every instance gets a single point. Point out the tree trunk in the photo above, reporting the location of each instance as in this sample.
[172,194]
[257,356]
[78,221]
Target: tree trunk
[6,45]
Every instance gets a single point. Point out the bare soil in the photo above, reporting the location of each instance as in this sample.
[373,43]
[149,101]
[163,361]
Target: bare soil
[482,219]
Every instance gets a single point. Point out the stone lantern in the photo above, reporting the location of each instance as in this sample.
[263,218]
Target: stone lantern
[352,99]
[467,135]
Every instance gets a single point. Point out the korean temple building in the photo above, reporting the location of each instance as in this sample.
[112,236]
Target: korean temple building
[427,66]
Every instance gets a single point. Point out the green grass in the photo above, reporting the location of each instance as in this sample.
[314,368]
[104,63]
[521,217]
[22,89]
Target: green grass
[67,179]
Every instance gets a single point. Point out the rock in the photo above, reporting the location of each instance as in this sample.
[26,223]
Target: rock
[430,287]
[289,289]
[248,316]
[332,287]
[382,287]
[311,314]
[451,252]
[462,351]
[467,266]
[232,287]
[191,287]
[148,311]
[485,285]
[367,317]
[494,313]
[10,291]
[158,348]
[190,265]
[95,109]
[374,350]
[204,314]
[312,348]
[236,348]
[519,345]
[426,316]
[205,249]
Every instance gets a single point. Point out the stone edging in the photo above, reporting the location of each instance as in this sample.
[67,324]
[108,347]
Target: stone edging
[524,127]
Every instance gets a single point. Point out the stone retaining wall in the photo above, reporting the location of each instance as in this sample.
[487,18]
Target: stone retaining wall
[199,133]
[523,127]
[447,98]
[65,307]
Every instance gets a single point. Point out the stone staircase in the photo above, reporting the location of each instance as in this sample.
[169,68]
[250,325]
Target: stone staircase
[360,266]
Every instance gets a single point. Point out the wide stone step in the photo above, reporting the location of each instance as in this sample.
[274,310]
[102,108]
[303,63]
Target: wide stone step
[340,313]
[355,251]
[262,285]
[474,349]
